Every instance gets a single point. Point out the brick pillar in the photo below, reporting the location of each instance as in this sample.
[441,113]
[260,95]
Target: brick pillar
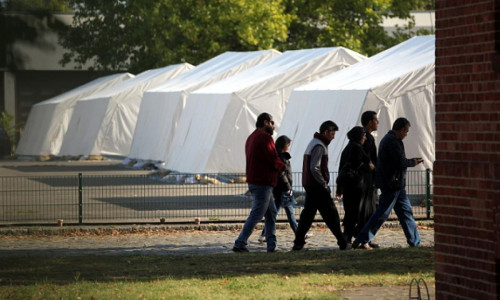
[467,170]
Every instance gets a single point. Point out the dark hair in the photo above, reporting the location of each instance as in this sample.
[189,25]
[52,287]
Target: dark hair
[400,123]
[261,118]
[281,142]
[367,116]
[356,134]
[328,125]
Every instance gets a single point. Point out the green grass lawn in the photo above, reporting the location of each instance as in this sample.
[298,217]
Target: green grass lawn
[283,275]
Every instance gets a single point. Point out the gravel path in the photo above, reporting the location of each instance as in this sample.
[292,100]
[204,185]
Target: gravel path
[160,240]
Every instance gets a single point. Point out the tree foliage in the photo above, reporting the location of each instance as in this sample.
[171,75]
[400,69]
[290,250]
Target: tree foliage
[15,27]
[355,24]
[137,35]
[37,5]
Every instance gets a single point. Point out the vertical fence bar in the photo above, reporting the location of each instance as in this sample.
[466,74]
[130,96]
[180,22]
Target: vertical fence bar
[428,192]
[80,199]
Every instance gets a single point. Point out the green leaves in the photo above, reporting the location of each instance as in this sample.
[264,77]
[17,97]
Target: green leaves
[37,5]
[138,35]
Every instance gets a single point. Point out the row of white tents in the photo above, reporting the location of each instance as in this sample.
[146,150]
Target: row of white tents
[163,106]
[196,119]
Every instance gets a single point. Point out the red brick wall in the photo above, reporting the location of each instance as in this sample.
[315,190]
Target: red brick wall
[467,168]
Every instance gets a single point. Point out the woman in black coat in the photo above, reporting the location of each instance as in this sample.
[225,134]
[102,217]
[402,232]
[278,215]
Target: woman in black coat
[351,191]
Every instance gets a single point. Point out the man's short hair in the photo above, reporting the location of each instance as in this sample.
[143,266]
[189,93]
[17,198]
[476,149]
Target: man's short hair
[367,116]
[328,125]
[261,118]
[400,123]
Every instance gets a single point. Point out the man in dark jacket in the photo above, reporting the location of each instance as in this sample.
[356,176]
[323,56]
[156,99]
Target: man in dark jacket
[369,120]
[315,179]
[390,178]
[262,167]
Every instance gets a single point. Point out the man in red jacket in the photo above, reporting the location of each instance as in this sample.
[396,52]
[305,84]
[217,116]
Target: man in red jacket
[262,167]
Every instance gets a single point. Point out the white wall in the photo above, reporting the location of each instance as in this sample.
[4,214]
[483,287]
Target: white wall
[423,20]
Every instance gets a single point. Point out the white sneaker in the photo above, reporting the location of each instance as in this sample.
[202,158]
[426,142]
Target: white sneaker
[262,239]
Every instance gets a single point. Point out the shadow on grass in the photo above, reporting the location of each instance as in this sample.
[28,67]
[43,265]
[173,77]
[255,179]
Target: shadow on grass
[25,270]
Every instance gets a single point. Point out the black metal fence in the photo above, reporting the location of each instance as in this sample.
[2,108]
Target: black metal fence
[174,198]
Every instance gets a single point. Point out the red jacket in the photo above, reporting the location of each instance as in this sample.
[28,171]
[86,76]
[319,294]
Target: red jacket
[262,161]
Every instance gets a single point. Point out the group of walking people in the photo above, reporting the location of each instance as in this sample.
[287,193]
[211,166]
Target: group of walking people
[361,173]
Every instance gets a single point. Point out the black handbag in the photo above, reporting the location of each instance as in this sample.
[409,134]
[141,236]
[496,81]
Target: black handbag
[348,175]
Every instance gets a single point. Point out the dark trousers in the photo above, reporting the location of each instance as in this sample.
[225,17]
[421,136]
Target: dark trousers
[351,198]
[319,199]
[367,207]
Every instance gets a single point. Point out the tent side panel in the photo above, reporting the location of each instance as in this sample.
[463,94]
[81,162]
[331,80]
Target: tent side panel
[196,134]
[84,125]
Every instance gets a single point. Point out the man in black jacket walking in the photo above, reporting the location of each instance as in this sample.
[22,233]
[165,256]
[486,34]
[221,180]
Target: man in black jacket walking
[390,178]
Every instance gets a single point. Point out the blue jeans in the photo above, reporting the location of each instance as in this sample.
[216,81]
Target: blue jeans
[401,204]
[289,210]
[262,205]
[290,214]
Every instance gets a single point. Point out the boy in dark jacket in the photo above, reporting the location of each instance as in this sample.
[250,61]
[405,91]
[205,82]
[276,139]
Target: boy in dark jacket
[315,179]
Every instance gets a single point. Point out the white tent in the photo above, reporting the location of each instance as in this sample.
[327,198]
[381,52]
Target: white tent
[217,119]
[48,120]
[104,123]
[398,82]
[162,106]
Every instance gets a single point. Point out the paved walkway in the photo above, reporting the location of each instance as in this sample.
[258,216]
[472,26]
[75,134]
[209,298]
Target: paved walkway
[162,240]
[172,240]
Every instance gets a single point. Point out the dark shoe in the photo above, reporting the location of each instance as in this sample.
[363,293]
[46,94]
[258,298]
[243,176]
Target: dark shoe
[363,246]
[240,249]
[274,250]
[348,246]
[297,247]
[373,245]
[344,246]
[347,238]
